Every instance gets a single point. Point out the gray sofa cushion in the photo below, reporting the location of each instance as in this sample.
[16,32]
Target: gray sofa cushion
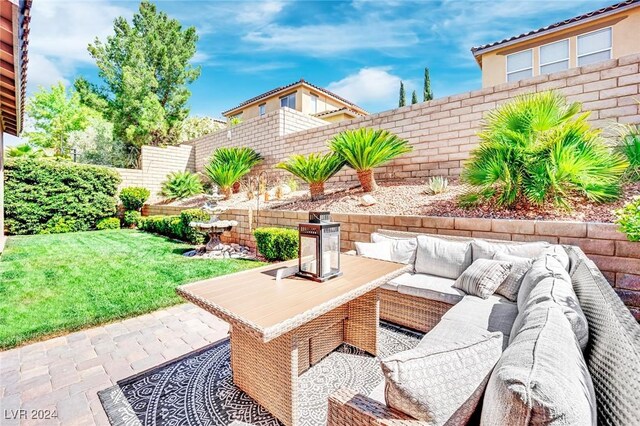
[483,277]
[559,253]
[544,267]
[381,251]
[541,378]
[428,287]
[485,249]
[510,286]
[403,250]
[443,258]
[493,314]
[442,383]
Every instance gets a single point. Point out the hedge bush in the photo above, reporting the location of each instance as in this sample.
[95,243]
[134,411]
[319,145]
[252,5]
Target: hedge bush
[108,223]
[47,196]
[628,219]
[134,197]
[277,243]
[176,227]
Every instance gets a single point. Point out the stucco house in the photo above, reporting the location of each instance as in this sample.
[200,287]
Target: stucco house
[600,35]
[301,96]
[14,33]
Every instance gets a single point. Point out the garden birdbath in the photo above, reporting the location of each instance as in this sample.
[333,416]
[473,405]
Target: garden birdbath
[214,227]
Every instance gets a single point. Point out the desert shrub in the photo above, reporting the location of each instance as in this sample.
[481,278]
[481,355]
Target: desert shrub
[134,197]
[538,148]
[630,147]
[131,218]
[108,223]
[365,149]
[437,185]
[176,227]
[277,243]
[315,169]
[181,185]
[47,195]
[628,220]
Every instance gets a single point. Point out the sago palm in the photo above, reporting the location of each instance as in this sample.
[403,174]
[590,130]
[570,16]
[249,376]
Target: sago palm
[539,148]
[243,155]
[315,169]
[365,149]
[181,185]
[225,174]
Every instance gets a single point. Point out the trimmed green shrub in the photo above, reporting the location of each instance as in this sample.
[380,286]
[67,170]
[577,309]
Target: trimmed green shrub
[134,197]
[47,195]
[277,243]
[108,223]
[628,220]
[131,218]
[176,227]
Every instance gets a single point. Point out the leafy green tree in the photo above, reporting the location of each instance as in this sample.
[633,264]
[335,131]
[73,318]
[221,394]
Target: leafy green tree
[427,92]
[403,98]
[414,98]
[145,68]
[54,114]
[197,127]
[96,145]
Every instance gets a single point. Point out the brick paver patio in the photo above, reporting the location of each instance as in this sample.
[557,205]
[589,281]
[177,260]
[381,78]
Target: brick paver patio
[65,373]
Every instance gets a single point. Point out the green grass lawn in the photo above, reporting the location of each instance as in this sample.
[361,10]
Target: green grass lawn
[57,283]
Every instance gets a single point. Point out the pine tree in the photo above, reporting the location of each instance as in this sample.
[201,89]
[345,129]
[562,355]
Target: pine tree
[414,98]
[403,100]
[428,94]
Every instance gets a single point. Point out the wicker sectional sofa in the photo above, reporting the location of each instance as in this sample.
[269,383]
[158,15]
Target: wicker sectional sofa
[597,332]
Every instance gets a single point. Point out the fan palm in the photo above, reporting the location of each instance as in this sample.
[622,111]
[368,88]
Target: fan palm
[24,151]
[225,174]
[315,169]
[539,148]
[181,185]
[365,149]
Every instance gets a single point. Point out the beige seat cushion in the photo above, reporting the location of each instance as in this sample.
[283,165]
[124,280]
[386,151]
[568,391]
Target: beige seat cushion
[428,287]
[441,257]
[541,378]
[442,383]
[492,314]
[403,250]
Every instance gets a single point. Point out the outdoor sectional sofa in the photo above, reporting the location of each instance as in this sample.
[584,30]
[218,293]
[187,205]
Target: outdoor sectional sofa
[564,350]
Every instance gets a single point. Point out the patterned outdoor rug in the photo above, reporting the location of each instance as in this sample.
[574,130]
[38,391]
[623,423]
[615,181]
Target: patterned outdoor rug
[198,389]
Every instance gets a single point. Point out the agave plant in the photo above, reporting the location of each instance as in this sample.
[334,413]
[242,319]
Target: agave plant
[539,148]
[244,155]
[226,174]
[437,185]
[315,169]
[181,185]
[365,149]
[629,147]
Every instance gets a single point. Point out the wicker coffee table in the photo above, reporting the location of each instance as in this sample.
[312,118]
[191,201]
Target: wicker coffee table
[281,328]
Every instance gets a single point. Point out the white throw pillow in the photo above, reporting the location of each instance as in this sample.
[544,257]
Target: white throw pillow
[485,249]
[483,277]
[380,251]
[443,258]
[510,286]
[403,250]
[544,267]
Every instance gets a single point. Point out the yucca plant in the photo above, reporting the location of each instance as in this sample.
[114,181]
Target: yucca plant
[315,169]
[365,149]
[225,174]
[244,155]
[539,148]
[181,185]
[629,147]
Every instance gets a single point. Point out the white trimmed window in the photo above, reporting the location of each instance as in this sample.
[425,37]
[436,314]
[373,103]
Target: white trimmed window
[519,65]
[262,109]
[554,57]
[314,103]
[594,47]
[288,101]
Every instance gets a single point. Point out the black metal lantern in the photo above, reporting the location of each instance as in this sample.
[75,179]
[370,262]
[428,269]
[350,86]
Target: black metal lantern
[319,248]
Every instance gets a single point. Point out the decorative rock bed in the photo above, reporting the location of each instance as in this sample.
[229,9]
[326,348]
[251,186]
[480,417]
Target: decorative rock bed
[222,251]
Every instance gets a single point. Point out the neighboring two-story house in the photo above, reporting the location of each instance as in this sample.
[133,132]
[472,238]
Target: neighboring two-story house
[301,96]
[603,34]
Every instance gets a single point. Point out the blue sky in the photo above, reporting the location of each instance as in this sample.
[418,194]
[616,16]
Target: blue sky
[360,49]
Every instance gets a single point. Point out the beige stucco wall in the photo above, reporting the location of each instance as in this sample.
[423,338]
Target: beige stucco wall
[625,41]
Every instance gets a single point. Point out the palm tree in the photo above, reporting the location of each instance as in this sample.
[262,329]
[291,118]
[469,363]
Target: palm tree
[365,149]
[24,151]
[244,155]
[225,174]
[540,147]
[315,169]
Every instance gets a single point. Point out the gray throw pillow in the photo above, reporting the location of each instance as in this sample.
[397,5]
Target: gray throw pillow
[443,382]
[442,258]
[510,286]
[483,277]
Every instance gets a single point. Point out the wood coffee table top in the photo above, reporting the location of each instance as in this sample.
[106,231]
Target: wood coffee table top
[254,299]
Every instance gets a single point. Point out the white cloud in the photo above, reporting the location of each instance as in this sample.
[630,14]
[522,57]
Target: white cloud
[374,88]
[43,72]
[258,13]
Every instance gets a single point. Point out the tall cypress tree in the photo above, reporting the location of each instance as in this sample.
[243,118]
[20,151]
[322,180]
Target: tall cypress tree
[403,100]
[414,98]
[428,94]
